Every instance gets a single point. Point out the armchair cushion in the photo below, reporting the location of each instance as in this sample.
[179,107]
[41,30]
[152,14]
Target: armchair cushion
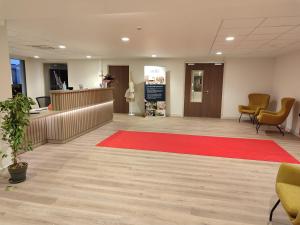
[247,109]
[269,118]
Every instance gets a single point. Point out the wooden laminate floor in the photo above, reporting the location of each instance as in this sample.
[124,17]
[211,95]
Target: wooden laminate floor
[80,184]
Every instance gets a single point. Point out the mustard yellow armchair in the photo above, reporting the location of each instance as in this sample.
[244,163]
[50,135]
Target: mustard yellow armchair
[275,118]
[257,102]
[288,191]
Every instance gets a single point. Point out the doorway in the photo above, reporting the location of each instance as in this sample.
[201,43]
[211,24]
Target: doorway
[120,75]
[203,89]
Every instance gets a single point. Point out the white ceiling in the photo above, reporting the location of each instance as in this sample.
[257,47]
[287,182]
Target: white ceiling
[170,28]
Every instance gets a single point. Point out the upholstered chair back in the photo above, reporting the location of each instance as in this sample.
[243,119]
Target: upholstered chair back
[286,106]
[261,100]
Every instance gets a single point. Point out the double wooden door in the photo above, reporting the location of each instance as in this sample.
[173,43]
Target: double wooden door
[203,90]
[119,85]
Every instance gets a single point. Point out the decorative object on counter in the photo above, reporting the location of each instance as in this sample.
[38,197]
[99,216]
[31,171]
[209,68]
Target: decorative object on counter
[64,86]
[14,123]
[130,97]
[107,80]
[80,86]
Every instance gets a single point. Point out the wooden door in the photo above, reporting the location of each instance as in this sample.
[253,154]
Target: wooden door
[119,85]
[203,90]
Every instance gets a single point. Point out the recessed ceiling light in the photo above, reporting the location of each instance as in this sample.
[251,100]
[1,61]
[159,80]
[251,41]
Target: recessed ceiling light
[219,53]
[36,57]
[230,38]
[125,39]
[88,56]
[153,56]
[62,46]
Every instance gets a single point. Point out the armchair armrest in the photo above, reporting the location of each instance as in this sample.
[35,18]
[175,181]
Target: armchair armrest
[268,112]
[258,110]
[289,174]
[243,107]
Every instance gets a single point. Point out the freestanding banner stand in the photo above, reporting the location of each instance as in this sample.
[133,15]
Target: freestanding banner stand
[155,91]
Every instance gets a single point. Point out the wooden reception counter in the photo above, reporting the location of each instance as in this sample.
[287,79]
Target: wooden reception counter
[73,113]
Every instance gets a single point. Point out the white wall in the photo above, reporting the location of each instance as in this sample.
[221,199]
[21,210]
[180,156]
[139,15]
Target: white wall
[241,77]
[286,83]
[175,81]
[5,70]
[85,72]
[5,86]
[35,81]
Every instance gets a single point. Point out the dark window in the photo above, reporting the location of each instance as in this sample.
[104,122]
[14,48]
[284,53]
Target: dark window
[18,76]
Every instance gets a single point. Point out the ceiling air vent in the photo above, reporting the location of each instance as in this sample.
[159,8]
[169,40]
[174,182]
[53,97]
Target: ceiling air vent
[42,47]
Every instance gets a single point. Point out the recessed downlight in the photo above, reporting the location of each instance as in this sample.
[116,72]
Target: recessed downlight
[219,53]
[62,46]
[88,56]
[229,38]
[125,39]
[36,57]
[153,55]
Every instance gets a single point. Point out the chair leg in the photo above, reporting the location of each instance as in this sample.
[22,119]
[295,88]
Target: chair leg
[240,117]
[254,120]
[279,128]
[272,210]
[257,127]
[250,118]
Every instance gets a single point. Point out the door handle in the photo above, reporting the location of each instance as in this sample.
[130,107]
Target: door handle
[206,92]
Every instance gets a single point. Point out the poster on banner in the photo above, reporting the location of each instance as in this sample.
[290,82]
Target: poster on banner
[155,91]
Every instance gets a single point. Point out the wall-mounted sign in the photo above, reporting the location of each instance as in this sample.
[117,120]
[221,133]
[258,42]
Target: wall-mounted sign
[155,91]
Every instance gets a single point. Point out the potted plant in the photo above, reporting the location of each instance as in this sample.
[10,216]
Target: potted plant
[15,118]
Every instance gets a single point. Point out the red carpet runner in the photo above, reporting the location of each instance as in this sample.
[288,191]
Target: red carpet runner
[240,148]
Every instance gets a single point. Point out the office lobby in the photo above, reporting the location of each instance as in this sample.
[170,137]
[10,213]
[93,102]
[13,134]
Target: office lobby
[149,112]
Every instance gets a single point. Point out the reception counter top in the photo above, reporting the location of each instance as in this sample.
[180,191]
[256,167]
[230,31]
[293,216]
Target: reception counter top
[74,113]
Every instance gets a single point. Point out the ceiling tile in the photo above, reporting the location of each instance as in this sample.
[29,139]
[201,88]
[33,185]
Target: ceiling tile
[235,32]
[242,23]
[255,37]
[289,36]
[296,30]
[251,44]
[280,43]
[281,21]
[272,30]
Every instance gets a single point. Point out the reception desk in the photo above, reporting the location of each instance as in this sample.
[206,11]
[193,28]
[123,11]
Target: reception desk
[73,113]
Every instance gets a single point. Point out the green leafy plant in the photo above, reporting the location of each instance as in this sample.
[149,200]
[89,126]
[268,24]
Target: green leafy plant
[15,119]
